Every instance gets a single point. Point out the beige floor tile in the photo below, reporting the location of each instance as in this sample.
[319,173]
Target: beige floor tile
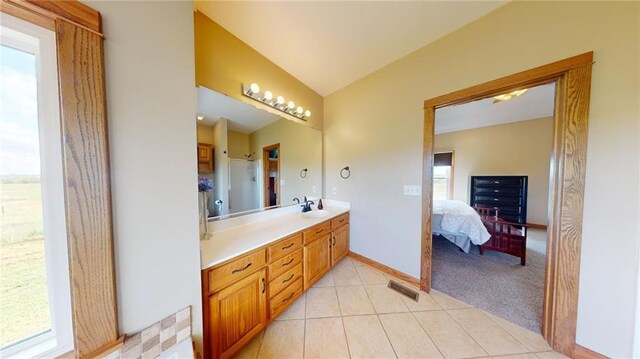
[322,302]
[516,356]
[446,301]
[344,263]
[491,337]
[532,341]
[325,338]
[345,275]
[366,338]
[283,339]
[325,281]
[425,302]
[550,355]
[370,275]
[296,310]
[251,350]
[452,341]
[407,337]
[385,300]
[354,300]
[356,262]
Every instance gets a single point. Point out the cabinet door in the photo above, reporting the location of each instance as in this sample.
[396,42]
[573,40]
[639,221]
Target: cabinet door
[317,260]
[204,152]
[237,314]
[340,244]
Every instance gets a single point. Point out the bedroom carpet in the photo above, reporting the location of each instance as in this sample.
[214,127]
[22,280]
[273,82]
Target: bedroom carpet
[495,282]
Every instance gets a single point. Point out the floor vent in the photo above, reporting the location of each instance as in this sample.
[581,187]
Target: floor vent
[404,290]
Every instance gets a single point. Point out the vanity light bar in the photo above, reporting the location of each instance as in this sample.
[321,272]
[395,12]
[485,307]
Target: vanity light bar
[253,91]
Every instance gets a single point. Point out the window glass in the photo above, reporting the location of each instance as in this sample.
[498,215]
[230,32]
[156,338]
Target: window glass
[24,308]
[441,182]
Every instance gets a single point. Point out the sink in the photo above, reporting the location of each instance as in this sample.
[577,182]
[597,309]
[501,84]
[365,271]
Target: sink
[316,214]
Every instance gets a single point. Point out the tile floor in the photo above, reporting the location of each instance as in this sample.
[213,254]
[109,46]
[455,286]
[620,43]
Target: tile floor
[350,313]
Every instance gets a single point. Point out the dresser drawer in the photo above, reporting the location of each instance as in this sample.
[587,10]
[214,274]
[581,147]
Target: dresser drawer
[316,231]
[284,247]
[231,272]
[340,221]
[285,263]
[497,182]
[284,280]
[282,300]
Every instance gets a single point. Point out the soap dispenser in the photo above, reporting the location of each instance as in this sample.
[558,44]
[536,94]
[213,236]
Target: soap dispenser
[320,206]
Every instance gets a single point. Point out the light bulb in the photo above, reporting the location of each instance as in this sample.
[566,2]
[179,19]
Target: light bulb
[291,105]
[307,113]
[280,100]
[200,118]
[299,110]
[254,88]
[268,95]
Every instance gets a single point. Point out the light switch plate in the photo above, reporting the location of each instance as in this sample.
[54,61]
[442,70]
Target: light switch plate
[410,190]
[334,191]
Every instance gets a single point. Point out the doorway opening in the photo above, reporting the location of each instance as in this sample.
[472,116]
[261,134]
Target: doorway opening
[271,160]
[572,79]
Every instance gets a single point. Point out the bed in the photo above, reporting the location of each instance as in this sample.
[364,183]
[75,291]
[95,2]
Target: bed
[459,223]
[465,226]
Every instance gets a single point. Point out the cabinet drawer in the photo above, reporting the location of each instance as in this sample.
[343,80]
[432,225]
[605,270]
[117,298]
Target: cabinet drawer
[284,264]
[224,275]
[340,221]
[285,279]
[282,300]
[316,231]
[284,247]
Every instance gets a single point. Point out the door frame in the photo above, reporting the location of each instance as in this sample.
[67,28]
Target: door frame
[265,174]
[572,77]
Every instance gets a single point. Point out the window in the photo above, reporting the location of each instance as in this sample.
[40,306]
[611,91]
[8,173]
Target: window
[34,277]
[443,176]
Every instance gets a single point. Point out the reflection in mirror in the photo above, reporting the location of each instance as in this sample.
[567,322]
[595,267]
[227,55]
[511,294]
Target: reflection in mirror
[256,159]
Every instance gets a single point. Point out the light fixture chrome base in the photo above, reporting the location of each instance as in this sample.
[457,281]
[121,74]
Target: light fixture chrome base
[258,96]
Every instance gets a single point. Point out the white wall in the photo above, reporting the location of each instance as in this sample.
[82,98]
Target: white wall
[151,107]
[375,126]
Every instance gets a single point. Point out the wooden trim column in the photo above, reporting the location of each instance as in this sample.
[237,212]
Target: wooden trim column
[80,55]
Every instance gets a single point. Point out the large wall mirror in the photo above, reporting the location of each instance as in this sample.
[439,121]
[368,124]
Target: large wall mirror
[256,159]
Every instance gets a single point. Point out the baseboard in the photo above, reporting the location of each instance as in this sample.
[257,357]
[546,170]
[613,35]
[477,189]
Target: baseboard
[581,352]
[379,266]
[537,226]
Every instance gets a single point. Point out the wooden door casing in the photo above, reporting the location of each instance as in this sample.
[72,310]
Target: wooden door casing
[237,314]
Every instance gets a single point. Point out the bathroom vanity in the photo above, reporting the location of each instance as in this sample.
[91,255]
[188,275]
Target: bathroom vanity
[255,266]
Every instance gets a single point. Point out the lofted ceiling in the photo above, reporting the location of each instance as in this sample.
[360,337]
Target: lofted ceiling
[537,102]
[328,44]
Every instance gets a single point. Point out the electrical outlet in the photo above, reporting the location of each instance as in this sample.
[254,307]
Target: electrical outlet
[334,191]
[412,190]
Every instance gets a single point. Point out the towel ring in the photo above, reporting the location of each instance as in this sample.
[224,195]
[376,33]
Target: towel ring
[345,172]
[303,173]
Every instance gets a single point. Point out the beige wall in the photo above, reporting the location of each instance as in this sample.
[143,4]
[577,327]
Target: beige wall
[151,106]
[300,147]
[375,126]
[204,133]
[224,63]
[238,144]
[518,148]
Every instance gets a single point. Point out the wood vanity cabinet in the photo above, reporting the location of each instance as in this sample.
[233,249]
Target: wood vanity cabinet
[205,158]
[242,295]
[317,259]
[237,313]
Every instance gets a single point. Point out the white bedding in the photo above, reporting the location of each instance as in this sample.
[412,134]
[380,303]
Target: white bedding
[459,223]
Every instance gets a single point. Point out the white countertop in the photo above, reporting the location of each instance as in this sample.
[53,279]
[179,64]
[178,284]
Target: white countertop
[263,228]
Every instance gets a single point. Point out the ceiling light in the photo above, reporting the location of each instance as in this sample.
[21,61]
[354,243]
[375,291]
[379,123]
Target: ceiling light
[200,118]
[509,96]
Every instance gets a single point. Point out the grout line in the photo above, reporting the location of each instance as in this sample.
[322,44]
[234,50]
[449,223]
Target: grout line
[428,336]
[466,332]
[304,335]
[387,335]
[346,339]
